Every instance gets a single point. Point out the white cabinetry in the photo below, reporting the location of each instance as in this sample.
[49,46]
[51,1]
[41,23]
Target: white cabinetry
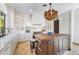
[8,44]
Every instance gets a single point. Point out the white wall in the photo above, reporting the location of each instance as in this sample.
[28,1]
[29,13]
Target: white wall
[3,8]
[37,17]
[65,23]
[76,25]
[10,14]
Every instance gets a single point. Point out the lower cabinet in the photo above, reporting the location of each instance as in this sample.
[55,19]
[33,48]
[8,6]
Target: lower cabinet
[9,48]
[6,50]
[52,47]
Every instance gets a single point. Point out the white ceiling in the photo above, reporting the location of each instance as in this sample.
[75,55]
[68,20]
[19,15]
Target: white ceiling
[25,7]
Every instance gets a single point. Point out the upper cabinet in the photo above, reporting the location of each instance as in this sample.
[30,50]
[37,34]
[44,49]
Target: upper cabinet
[21,20]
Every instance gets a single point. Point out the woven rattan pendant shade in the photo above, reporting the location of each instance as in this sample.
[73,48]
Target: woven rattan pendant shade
[51,14]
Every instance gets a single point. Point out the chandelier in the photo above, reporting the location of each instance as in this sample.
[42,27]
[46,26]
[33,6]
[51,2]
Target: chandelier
[51,14]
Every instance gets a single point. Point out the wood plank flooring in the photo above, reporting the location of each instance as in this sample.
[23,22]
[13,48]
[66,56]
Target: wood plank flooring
[23,48]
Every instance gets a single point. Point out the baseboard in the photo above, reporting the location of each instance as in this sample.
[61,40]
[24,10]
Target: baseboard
[75,43]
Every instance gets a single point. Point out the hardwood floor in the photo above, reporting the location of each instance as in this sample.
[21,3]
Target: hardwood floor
[23,48]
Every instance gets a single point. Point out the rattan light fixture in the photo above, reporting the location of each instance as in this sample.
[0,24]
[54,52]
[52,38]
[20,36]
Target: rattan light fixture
[51,14]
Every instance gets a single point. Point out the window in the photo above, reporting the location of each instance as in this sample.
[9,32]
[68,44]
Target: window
[2,24]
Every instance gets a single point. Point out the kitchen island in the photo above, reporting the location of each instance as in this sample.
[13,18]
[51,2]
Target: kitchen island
[51,44]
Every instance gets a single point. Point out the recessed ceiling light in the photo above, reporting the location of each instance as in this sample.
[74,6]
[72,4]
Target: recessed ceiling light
[30,10]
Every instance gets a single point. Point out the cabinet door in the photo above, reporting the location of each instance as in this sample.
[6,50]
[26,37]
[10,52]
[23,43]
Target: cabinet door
[44,47]
[56,45]
[66,43]
[50,47]
[60,44]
